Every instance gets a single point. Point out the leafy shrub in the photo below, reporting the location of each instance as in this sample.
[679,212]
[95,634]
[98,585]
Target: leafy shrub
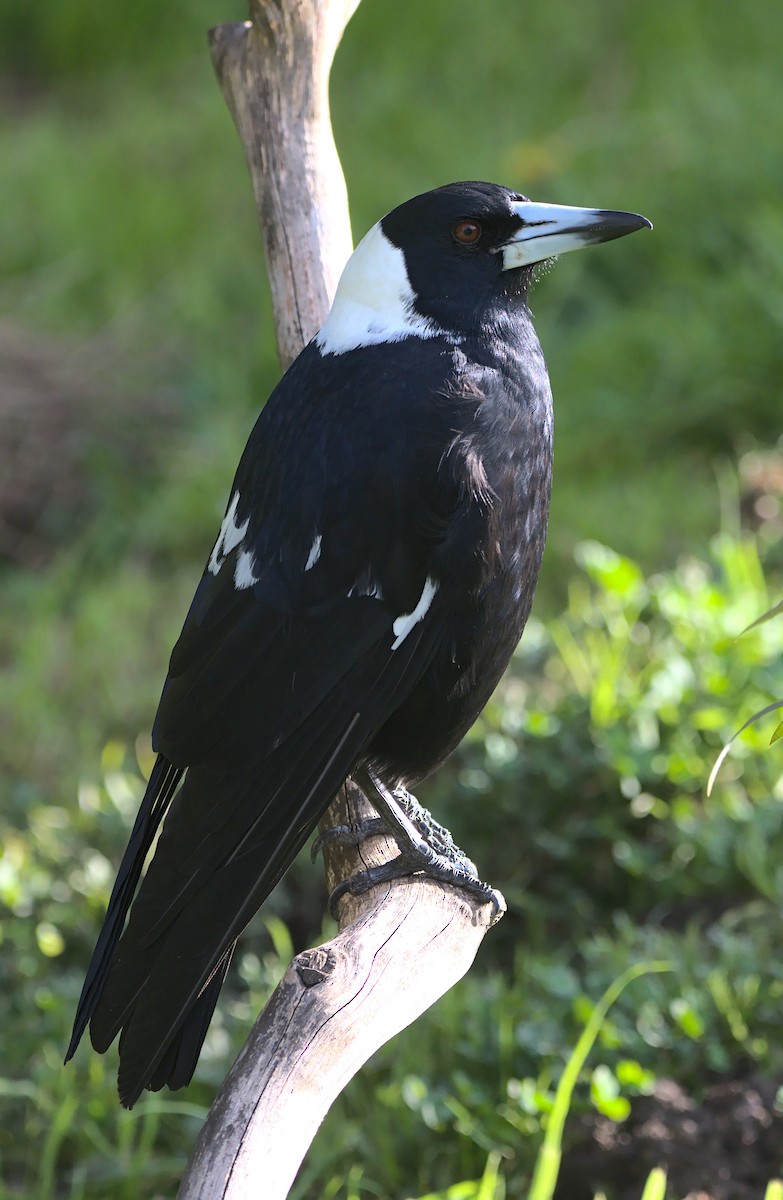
[581,793]
[583,787]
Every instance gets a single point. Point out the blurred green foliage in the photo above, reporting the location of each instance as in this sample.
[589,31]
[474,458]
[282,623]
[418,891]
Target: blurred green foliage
[130,210]
[582,790]
[128,228]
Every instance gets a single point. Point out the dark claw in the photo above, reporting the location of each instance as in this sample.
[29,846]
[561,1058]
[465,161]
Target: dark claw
[362,882]
[349,835]
[425,848]
[401,867]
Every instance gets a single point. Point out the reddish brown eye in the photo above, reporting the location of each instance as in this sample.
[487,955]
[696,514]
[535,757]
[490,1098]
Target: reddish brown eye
[467,232]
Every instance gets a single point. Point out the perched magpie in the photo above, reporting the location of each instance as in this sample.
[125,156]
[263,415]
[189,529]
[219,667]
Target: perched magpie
[371,578]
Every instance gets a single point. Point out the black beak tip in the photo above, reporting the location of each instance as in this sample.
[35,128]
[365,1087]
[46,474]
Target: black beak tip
[610,225]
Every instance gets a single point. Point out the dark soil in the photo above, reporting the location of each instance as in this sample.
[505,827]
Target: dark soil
[727,1147]
[71,417]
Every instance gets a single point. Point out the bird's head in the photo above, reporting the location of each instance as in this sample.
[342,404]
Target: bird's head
[447,259]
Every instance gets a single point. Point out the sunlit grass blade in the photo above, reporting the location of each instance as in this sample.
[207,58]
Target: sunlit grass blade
[767,616]
[774,1190]
[655,1187]
[58,1129]
[548,1161]
[750,721]
[491,1186]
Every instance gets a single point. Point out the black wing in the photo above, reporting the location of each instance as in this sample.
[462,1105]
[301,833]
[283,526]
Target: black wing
[288,664]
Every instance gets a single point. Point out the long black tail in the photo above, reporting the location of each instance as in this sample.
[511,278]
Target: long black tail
[232,829]
[226,842]
[161,787]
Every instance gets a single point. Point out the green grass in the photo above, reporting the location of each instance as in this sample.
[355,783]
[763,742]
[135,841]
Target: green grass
[130,239]
[130,207]
[545,1172]
[597,821]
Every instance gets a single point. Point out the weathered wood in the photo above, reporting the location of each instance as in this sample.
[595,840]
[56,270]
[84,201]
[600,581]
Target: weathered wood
[400,949]
[274,73]
[403,944]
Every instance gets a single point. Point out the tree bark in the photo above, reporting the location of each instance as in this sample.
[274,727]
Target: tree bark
[403,944]
[274,74]
[398,950]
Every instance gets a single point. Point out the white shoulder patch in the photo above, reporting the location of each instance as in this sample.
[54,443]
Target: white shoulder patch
[315,553]
[405,623]
[230,536]
[244,576]
[374,301]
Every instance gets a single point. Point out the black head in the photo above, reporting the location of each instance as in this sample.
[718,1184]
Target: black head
[470,246]
[453,258]
[452,239]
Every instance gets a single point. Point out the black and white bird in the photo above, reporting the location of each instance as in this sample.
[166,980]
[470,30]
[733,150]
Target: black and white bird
[370,581]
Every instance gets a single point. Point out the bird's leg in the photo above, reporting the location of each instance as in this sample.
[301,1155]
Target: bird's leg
[438,836]
[426,847]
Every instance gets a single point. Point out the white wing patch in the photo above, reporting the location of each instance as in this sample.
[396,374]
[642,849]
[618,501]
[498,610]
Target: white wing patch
[369,588]
[230,536]
[374,301]
[405,623]
[244,576]
[315,553]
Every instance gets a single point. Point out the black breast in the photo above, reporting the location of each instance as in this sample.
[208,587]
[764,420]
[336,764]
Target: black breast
[499,465]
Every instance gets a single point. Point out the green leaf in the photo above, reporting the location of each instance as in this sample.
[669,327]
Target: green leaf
[655,1187]
[633,1075]
[548,1161]
[687,1018]
[281,938]
[767,616]
[617,1110]
[750,721]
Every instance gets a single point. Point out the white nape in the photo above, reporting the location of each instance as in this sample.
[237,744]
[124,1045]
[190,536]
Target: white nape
[230,536]
[405,623]
[374,301]
[315,553]
[244,576]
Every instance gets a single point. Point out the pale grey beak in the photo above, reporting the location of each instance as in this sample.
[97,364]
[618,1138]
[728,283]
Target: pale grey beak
[551,229]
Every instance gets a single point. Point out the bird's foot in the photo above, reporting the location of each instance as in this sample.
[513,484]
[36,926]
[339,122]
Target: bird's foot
[406,865]
[348,835]
[436,835]
[426,848]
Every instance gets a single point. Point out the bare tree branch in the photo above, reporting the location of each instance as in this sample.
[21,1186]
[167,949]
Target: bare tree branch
[403,944]
[399,949]
[274,73]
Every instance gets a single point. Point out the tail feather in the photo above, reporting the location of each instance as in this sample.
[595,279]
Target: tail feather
[214,816]
[176,1068]
[161,787]
[163,1014]
[233,829]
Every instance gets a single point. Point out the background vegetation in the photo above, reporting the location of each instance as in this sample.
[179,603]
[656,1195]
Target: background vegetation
[136,339]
